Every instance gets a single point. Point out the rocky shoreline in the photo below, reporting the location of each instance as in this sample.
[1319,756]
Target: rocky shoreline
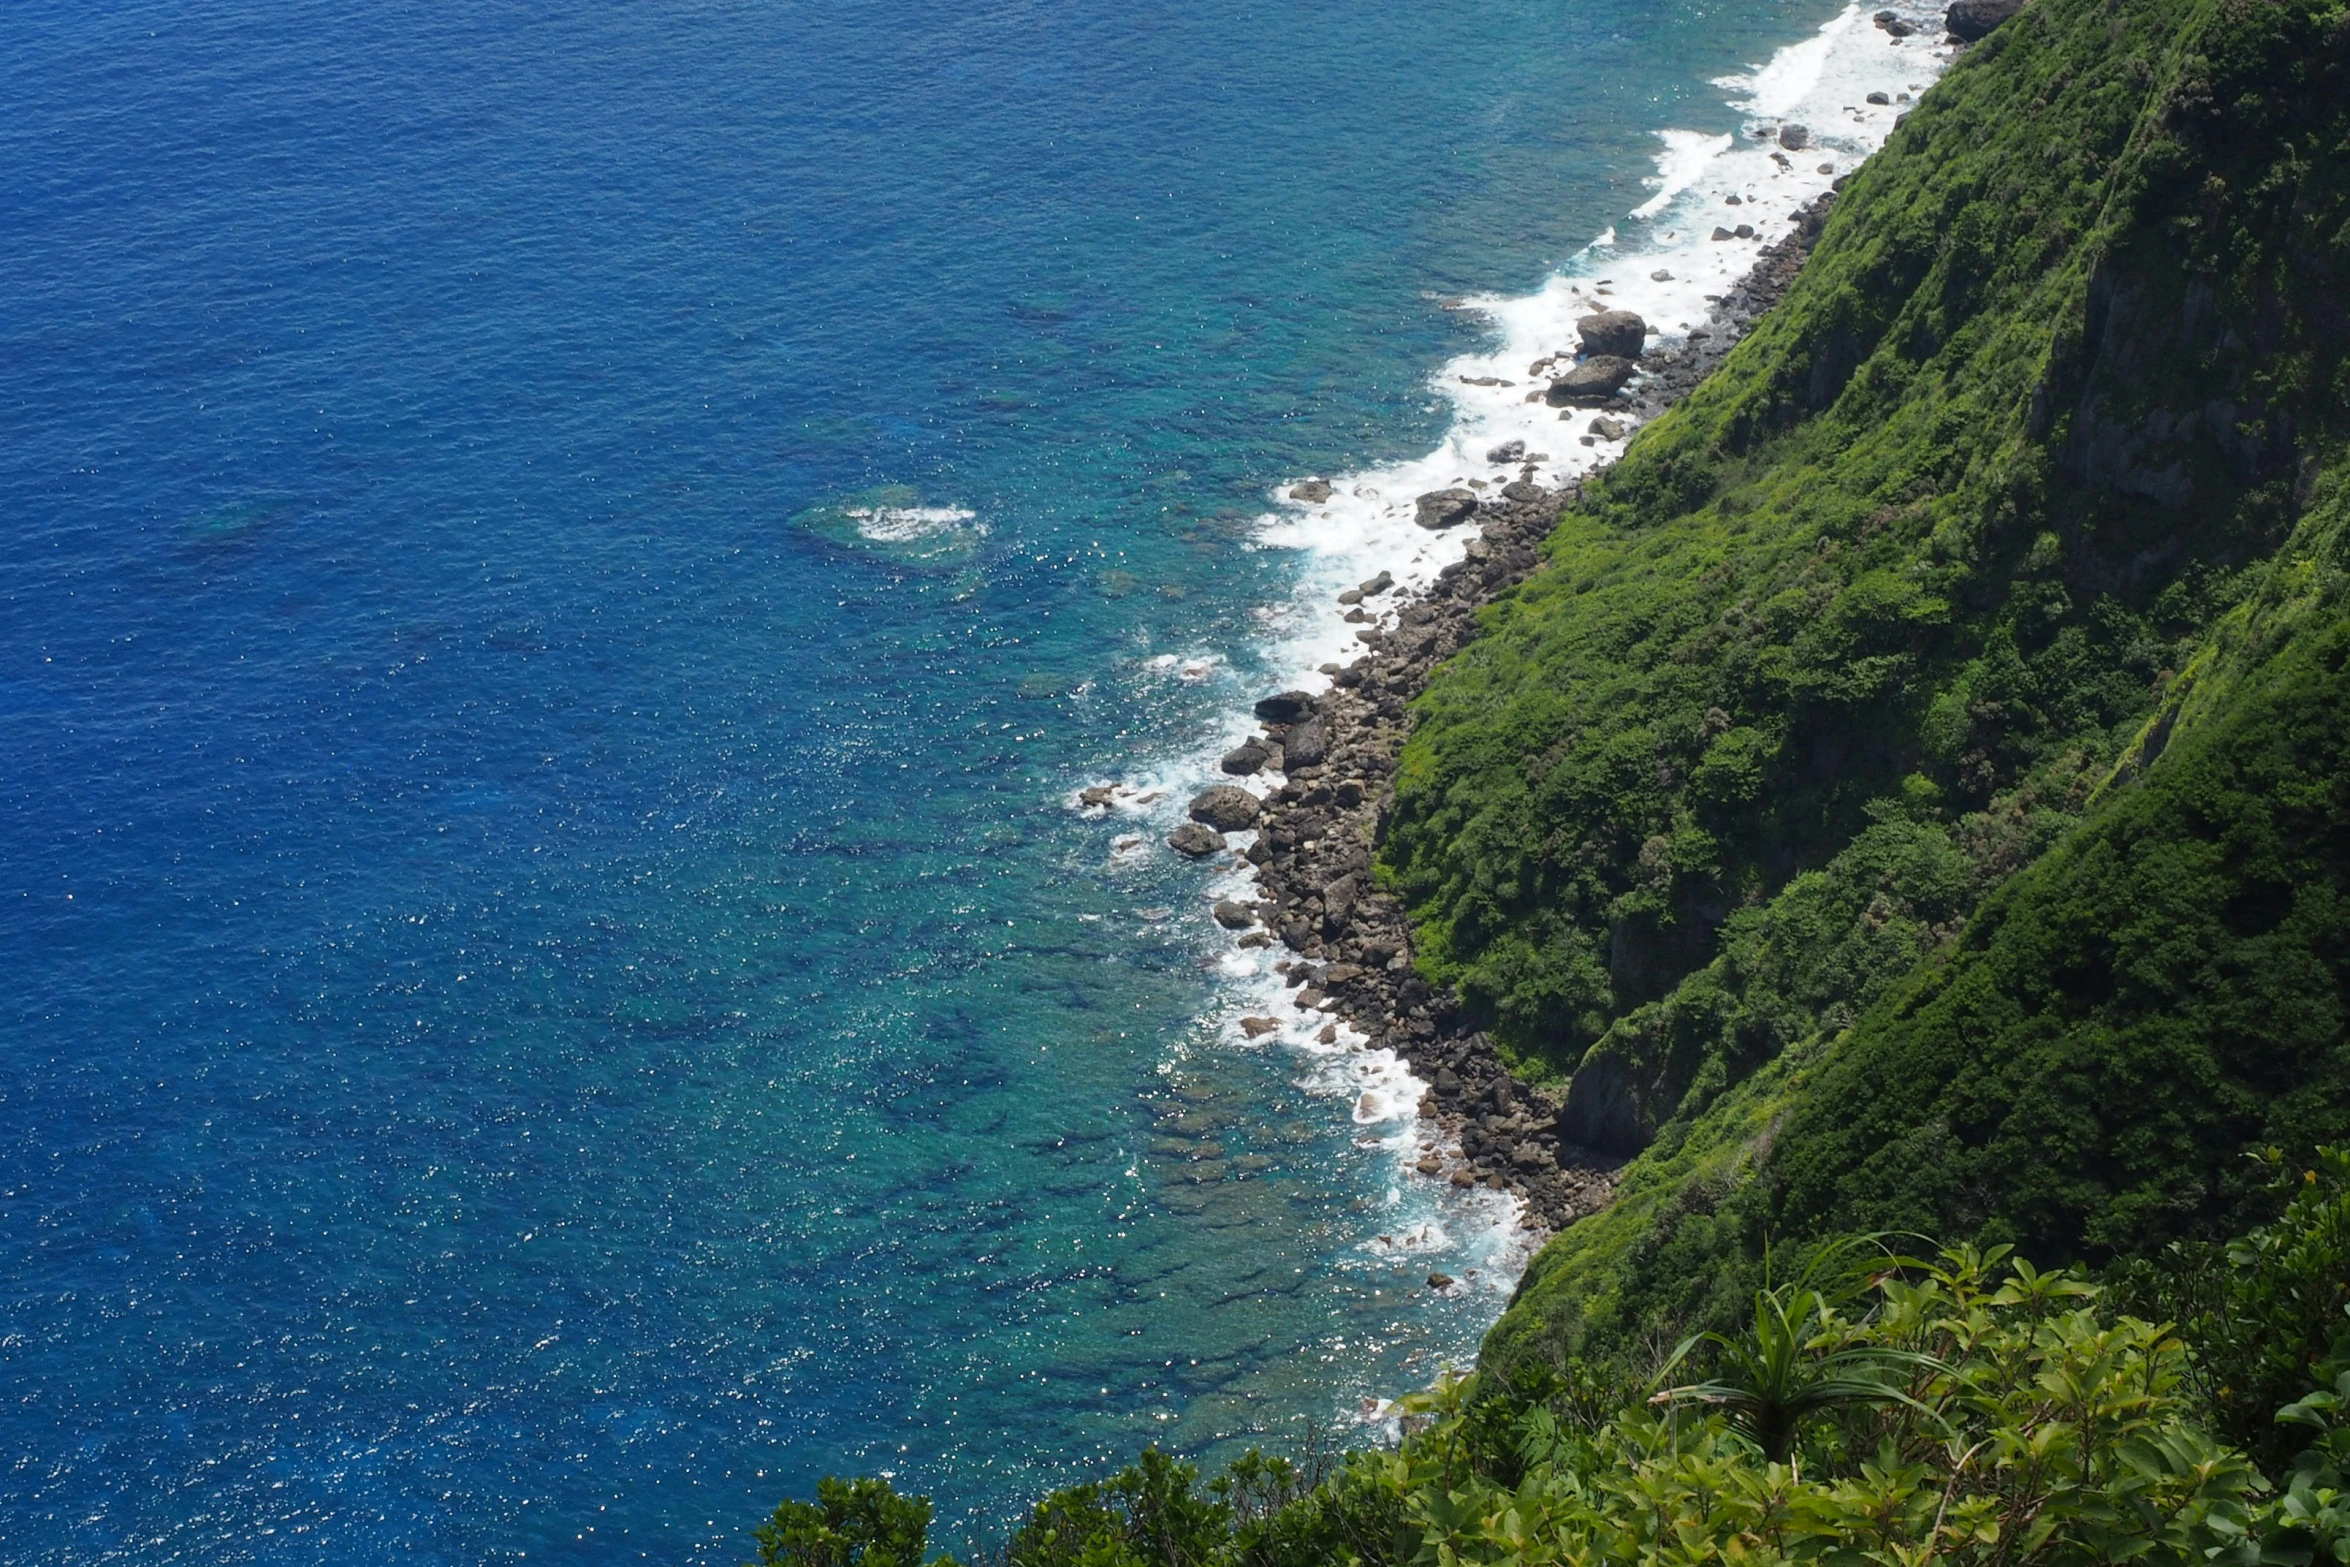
[1349,946]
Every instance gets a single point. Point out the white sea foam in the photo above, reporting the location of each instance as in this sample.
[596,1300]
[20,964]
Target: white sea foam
[1663,265]
[1687,156]
[907,524]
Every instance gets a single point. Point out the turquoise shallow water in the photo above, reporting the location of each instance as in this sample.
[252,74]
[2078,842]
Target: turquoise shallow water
[555,997]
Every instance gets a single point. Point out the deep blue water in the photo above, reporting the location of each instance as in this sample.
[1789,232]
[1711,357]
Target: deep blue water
[550,1003]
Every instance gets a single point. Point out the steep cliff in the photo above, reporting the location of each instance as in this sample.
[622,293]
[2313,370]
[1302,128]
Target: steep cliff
[1912,793]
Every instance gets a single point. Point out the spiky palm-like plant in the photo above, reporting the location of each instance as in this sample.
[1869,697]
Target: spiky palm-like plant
[1798,1362]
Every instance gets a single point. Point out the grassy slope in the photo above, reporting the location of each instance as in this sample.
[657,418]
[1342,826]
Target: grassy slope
[2019,483]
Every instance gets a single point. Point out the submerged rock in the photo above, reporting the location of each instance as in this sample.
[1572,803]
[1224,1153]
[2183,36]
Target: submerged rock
[1312,491]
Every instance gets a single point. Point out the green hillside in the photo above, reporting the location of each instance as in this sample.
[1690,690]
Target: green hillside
[1911,796]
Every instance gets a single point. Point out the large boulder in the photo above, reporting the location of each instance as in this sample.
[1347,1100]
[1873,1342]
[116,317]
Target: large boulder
[1313,491]
[1969,20]
[1242,760]
[1618,334]
[1225,808]
[1445,508]
[1595,380]
[1285,707]
[1194,841]
[1306,745]
[1794,137]
[1338,905]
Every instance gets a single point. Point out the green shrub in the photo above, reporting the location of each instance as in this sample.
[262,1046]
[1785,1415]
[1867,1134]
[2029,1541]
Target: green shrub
[852,1523]
[1968,1409]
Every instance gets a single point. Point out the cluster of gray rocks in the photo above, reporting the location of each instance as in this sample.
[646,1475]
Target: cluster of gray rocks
[1347,945]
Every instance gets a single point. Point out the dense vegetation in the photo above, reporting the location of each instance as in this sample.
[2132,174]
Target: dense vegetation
[1857,631]
[1917,794]
[1876,1410]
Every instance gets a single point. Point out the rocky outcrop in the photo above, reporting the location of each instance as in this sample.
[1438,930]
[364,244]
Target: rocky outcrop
[1313,491]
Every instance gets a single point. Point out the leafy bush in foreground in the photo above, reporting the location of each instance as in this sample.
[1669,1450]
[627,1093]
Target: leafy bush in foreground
[1881,1410]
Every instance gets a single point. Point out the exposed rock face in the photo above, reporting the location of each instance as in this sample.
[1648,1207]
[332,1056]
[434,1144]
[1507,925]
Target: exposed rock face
[1970,20]
[1595,380]
[1616,333]
[1445,508]
[1194,841]
[1313,491]
[1614,1101]
[1225,808]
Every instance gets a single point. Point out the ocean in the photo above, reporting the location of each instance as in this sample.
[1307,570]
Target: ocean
[562,569]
